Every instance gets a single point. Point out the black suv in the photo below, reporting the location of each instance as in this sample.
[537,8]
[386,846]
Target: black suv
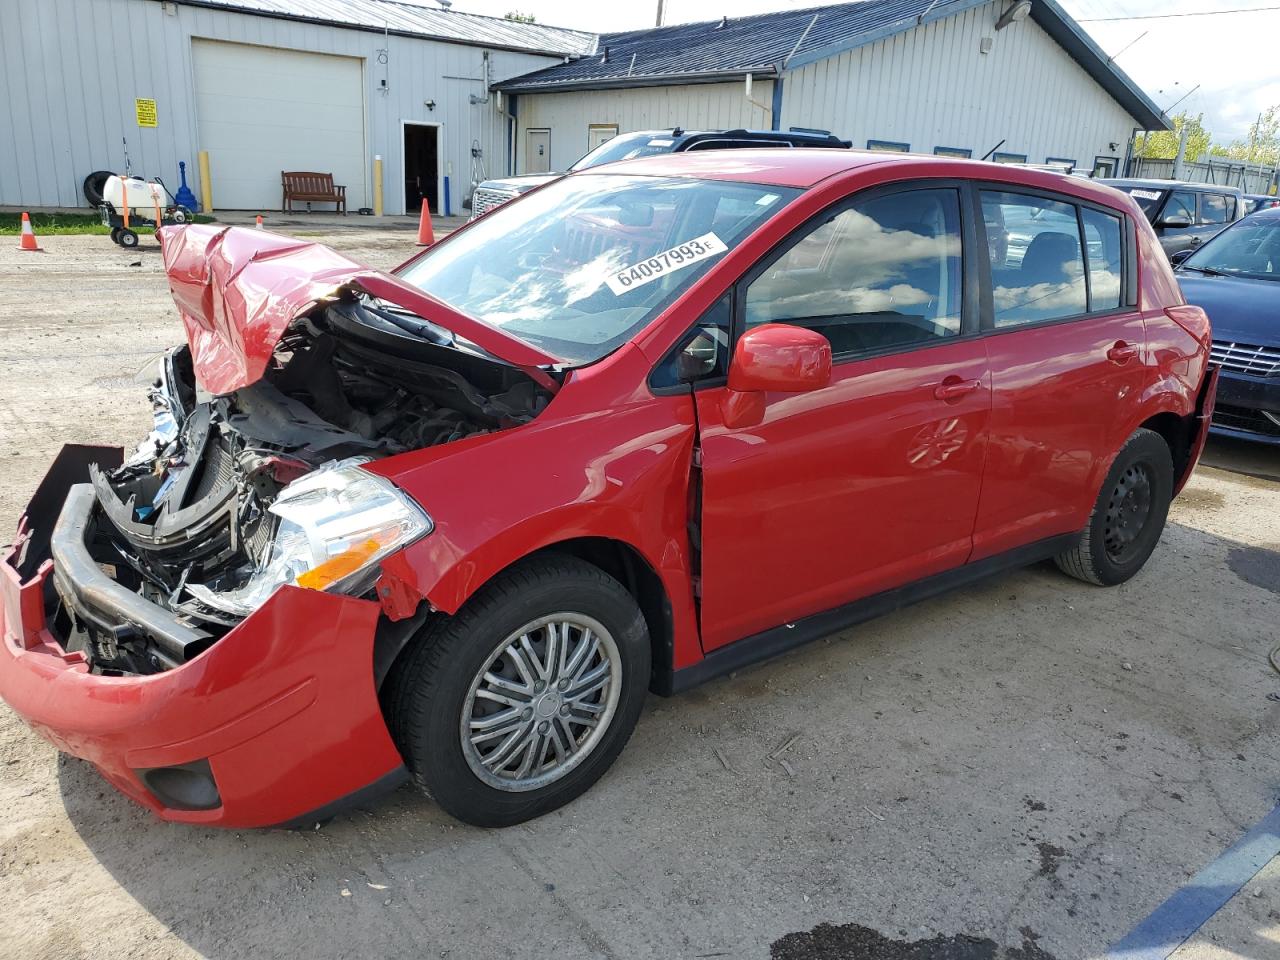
[646,143]
[1184,214]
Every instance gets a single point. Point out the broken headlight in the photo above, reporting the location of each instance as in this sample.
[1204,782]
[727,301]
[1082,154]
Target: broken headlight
[336,523]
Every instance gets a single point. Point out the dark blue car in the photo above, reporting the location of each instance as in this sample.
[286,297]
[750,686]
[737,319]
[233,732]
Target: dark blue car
[1235,277]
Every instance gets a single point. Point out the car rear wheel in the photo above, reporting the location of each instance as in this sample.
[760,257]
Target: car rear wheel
[521,701]
[1128,516]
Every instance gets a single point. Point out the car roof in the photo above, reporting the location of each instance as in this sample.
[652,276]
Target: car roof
[806,167]
[1157,184]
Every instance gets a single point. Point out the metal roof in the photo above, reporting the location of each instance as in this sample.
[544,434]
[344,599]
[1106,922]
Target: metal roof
[413,20]
[765,44]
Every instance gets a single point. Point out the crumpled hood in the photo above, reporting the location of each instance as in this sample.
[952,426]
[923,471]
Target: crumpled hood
[238,290]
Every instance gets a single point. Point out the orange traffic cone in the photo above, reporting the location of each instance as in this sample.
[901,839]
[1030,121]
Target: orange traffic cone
[259,221]
[425,235]
[28,241]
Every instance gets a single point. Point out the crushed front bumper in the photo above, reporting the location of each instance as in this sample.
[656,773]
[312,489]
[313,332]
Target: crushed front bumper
[276,723]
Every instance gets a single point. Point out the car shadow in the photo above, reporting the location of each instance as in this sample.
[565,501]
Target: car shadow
[906,775]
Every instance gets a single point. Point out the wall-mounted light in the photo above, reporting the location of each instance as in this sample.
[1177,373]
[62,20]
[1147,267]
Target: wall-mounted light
[429,104]
[1016,11]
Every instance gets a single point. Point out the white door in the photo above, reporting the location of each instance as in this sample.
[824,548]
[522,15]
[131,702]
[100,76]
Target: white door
[598,133]
[538,156]
[263,110]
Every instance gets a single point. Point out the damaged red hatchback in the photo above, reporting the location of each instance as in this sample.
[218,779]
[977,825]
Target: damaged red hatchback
[641,427]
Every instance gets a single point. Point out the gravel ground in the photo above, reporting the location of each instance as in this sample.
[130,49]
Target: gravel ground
[1024,769]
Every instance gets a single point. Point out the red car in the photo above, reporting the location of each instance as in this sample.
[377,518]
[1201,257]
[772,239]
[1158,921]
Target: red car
[644,426]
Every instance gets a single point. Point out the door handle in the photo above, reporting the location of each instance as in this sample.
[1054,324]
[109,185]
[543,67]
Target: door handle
[953,388]
[1122,352]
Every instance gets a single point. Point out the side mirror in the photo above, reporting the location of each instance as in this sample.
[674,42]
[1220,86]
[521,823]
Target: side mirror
[774,357]
[1180,256]
[1178,222]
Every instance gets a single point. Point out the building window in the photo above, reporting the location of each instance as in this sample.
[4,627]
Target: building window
[1105,166]
[964,153]
[1009,157]
[1069,164]
[888,146]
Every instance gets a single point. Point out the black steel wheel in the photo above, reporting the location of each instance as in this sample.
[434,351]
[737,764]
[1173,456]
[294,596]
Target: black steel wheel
[1128,516]
[127,238]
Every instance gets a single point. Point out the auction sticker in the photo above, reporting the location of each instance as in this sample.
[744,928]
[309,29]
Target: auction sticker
[1146,194]
[668,261]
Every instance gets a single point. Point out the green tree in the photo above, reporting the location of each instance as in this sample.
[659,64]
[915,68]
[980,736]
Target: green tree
[1163,144]
[1262,145]
[519,17]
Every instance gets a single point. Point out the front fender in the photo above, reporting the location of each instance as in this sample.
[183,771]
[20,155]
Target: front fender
[619,473]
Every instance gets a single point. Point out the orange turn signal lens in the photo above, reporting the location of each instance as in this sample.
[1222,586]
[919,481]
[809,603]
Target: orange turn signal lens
[335,568]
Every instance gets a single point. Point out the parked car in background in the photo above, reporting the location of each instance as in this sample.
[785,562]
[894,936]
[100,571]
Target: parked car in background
[1253,202]
[653,423]
[648,143]
[1235,277]
[1184,214]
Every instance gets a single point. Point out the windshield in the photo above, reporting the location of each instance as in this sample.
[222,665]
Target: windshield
[580,266]
[1249,249]
[628,146]
[1147,198]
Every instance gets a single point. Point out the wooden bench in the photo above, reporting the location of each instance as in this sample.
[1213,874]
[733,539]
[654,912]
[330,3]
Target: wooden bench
[313,188]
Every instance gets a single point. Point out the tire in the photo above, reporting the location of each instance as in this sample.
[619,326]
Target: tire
[115,235]
[127,238]
[1128,516]
[182,215]
[433,699]
[93,184]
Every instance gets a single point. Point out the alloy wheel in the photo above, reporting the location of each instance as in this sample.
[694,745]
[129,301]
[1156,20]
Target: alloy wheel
[541,702]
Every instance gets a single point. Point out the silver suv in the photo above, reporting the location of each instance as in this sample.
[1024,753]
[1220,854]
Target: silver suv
[646,143]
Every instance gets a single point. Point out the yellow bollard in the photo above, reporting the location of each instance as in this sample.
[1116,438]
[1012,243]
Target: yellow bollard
[377,186]
[206,182]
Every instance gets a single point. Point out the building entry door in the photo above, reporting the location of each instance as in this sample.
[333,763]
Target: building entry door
[538,155]
[421,167]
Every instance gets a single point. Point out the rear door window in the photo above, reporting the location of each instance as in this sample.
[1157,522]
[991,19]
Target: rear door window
[1213,208]
[1037,266]
[1182,203]
[1105,252]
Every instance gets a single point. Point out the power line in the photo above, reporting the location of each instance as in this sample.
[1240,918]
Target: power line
[1169,16]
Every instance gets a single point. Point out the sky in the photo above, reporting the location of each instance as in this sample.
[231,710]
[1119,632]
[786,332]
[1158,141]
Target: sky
[1232,56]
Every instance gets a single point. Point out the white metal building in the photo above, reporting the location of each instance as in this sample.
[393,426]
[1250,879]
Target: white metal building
[1019,80]
[264,86]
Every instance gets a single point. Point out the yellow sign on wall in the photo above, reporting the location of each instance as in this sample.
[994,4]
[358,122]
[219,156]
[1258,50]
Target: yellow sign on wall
[146,111]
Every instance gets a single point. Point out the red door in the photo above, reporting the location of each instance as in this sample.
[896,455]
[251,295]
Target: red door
[1067,361]
[873,480]
[1059,402]
[842,492]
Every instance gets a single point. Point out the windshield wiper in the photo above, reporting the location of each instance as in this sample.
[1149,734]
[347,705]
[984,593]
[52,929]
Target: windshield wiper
[1207,271]
[412,323]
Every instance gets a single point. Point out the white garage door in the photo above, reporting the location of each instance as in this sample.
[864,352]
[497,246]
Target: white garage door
[261,110]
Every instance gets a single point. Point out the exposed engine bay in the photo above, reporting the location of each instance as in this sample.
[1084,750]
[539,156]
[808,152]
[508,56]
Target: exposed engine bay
[186,521]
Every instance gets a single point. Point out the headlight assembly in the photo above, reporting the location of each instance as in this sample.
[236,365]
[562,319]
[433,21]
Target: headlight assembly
[336,523]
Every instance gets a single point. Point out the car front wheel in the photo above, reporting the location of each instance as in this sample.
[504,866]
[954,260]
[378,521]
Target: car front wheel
[521,701]
[1128,516]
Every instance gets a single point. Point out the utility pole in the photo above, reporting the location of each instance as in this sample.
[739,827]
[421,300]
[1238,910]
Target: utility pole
[662,9]
[1182,154]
